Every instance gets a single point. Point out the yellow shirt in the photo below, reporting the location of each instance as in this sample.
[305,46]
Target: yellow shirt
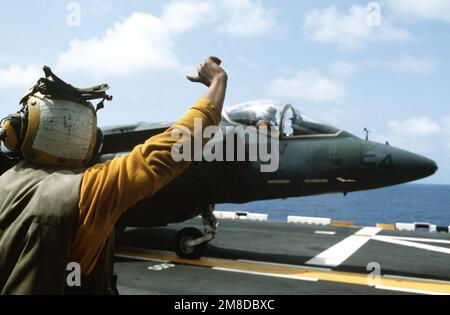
[110,188]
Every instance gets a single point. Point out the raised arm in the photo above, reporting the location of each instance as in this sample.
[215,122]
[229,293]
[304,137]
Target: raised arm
[110,188]
[211,75]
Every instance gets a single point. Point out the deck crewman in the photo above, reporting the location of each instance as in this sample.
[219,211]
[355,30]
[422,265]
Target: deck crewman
[59,210]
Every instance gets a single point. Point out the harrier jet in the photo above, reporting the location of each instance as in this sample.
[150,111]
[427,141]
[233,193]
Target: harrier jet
[308,158]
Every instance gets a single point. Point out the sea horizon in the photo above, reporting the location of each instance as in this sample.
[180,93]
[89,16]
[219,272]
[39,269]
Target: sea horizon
[408,203]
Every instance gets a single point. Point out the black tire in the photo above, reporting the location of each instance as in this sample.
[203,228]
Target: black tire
[189,234]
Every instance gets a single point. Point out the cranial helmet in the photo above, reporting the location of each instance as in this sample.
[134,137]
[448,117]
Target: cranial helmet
[56,126]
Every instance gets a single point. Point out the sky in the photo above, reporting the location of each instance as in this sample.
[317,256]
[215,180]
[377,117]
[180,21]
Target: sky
[354,64]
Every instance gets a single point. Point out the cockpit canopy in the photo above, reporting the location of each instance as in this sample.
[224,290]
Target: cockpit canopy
[290,122]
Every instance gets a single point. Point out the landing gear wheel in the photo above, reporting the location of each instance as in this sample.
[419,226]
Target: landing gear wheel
[185,251]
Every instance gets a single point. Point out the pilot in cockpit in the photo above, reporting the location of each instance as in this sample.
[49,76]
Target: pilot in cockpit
[268,119]
[256,120]
[263,123]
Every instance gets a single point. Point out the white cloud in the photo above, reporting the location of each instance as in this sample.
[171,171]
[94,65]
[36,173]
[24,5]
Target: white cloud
[446,125]
[421,126]
[420,9]
[139,43]
[19,77]
[343,69]
[233,17]
[247,18]
[414,65]
[307,85]
[349,30]
[144,42]
[180,16]
[406,64]
[422,135]
[97,7]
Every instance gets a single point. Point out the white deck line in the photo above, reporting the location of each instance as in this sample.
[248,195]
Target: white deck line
[415,239]
[337,254]
[432,248]
[325,232]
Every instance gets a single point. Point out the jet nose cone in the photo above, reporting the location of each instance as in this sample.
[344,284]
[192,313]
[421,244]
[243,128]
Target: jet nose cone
[432,166]
[425,166]
[414,166]
[389,165]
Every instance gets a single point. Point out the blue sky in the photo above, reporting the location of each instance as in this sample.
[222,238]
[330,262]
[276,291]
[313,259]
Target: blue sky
[322,56]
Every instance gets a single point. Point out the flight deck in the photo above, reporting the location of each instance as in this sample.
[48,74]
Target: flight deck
[275,258]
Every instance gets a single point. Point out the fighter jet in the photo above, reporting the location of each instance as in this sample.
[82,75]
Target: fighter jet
[313,158]
[306,158]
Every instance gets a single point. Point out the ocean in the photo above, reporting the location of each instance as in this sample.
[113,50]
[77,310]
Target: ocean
[404,203]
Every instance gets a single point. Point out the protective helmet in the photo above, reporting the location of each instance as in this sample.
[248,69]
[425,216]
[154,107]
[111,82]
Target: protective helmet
[57,125]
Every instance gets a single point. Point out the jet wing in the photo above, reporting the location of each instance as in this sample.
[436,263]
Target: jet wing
[125,137]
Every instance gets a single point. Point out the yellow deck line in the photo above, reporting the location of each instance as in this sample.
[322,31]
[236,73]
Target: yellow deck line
[300,271]
[386,226]
[341,223]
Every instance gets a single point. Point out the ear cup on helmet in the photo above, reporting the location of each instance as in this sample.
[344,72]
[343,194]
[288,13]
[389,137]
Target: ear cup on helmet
[12,131]
[10,136]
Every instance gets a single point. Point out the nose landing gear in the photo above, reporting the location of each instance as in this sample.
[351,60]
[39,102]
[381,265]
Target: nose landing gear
[190,243]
